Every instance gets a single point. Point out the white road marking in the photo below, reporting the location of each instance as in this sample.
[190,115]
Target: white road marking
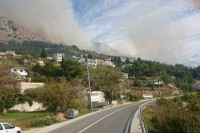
[103,118]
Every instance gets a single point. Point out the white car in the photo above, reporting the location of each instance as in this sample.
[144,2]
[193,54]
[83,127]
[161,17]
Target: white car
[7,128]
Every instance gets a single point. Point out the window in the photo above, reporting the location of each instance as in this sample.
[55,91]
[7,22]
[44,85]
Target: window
[15,70]
[7,126]
[1,128]
[21,70]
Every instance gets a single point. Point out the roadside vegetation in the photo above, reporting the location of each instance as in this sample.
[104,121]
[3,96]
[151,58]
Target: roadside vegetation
[179,115]
[26,120]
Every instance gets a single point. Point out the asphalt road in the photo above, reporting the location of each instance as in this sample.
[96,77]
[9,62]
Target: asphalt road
[112,120]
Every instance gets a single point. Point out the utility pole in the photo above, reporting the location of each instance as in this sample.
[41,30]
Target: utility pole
[186,84]
[89,87]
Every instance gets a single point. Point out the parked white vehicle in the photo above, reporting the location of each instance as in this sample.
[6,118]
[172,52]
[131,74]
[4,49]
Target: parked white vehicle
[7,128]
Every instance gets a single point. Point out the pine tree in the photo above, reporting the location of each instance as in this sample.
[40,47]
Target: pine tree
[43,53]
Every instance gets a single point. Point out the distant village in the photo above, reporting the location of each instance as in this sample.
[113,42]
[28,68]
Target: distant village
[21,74]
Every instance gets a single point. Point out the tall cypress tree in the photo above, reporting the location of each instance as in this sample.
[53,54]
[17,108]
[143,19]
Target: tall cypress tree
[43,53]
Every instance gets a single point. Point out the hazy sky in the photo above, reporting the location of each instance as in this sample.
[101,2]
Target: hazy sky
[161,30]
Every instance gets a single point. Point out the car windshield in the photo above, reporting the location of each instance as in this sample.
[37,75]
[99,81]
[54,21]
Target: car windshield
[7,126]
[1,128]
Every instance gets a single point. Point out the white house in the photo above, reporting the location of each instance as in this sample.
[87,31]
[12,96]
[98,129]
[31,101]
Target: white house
[159,83]
[10,53]
[82,60]
[21,72]
[97,96]
[108,63]
[58,57]
[197,86]
[125,75]
[2,55]
[41,63]
[91,62]
[123,59]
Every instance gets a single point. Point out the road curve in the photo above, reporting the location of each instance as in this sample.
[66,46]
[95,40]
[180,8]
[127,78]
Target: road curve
[111,120]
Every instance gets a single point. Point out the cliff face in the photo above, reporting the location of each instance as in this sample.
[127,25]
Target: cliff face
[9,31]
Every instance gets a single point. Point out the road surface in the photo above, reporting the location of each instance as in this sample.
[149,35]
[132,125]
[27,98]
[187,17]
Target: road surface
[112,120]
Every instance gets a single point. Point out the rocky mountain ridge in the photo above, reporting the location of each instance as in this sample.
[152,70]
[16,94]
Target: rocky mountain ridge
[10,31]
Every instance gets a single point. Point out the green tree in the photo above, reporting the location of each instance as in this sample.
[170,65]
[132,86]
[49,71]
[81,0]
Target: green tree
[43,53]
[71,69]
[58,97]
[106,79]
[127,61]
[137,83]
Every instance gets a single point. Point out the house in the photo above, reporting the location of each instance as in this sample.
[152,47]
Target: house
[75,57]
[125,75]
[91,62]
[41,63]
[99,62]
[97,96]
[68,57]
[21,72]
[2,55]
[197,86]
[123,59]
[58,57]
[159,83]
[49,58]
[82,60]
[108,63]
[10,53]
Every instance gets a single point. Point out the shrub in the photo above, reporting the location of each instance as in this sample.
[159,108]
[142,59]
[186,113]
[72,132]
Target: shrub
[137,83]
[80,105]
[2,105]
[170,116]
[14,111]
[134,97]
[42,122]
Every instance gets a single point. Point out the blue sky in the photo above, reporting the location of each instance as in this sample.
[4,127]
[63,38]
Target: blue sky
[163,30]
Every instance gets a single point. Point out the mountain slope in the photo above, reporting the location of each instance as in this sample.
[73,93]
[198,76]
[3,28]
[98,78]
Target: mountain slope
[9,31]
[103,48]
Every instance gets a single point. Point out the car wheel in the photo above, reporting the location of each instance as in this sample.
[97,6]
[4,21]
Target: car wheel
[18,132]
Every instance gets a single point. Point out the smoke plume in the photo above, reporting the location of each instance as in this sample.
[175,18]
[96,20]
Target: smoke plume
[160,36]
[52,18]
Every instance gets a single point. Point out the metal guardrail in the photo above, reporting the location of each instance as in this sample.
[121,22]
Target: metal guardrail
[141,107]
[128,124]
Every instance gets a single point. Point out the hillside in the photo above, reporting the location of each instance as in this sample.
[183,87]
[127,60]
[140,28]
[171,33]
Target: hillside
[103,48]
[10,31]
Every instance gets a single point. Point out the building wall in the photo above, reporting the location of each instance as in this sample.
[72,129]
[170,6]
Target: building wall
[197,87]
[29,85]
[58,57]
[97,96]
[27,108]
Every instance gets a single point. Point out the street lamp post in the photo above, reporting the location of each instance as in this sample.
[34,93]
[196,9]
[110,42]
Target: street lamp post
[89,87]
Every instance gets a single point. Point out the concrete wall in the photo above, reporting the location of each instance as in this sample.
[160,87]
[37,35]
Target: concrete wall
[29,85]
[26,108]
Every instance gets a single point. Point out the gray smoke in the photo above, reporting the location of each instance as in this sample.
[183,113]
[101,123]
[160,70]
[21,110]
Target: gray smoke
[51,18]
[157,36]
